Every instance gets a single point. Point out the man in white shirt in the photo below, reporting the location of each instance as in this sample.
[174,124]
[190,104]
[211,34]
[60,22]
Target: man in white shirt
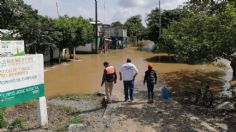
[128,72]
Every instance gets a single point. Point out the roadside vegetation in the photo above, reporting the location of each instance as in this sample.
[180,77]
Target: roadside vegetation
[41,32]
[62,113]
[197,32]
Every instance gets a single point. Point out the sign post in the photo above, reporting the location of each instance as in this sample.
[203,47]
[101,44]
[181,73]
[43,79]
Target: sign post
[21,80]
[42,111]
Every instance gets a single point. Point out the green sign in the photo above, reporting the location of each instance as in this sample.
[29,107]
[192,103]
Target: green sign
[21,79]
[22,95]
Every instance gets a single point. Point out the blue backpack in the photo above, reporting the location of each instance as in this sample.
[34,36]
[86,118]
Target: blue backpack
[165,93]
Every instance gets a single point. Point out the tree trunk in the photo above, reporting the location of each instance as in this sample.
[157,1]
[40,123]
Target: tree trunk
[59,56]
[233,66]
[51,55]
[74,53]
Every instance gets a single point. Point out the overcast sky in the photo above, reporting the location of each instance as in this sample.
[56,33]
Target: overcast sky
[108,10]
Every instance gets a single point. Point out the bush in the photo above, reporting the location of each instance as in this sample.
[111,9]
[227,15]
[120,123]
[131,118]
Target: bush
[3,123]
[142,43]
[17,123]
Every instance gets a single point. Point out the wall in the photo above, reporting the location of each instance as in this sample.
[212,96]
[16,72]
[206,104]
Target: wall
[85,48]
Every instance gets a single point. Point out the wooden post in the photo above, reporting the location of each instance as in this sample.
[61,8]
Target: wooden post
[42,111]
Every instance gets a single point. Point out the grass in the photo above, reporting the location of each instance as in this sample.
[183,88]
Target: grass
[11,126]
[16,124]
[64,125]
[3,122]
[20,53]
[77,96]
[68,110]
[71,118]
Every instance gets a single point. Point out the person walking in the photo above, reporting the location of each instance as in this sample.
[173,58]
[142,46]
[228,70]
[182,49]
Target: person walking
[151,79]
[128,72]
[109,78]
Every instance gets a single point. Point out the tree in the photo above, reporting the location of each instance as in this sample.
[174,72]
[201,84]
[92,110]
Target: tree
[208,7]
[117,24]
[135,27]
[23,20]
[13,12]
[37,33]
[83,32]
[168,16]
[202,37]
[73,32]
[40,32]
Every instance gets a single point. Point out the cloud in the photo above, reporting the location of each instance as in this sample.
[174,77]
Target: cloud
[128,8]
[166,4]
[133,3]
[108,10]
[45,7]
[124,14]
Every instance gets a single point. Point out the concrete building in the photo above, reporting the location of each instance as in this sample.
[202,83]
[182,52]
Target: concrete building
[91,47]
[119,38]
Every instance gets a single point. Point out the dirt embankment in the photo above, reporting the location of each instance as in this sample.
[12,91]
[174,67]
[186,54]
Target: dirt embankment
[138,116]
[62,111]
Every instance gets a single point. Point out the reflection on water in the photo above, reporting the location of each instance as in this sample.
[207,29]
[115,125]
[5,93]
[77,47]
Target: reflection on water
[85,76]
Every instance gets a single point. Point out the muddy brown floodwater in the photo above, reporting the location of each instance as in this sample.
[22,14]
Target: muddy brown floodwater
[84,76]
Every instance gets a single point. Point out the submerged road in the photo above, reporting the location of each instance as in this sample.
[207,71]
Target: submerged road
[84,76]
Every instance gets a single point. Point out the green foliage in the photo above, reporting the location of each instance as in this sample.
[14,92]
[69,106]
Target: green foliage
[208,7]
[7,37]
[117,24]
[75,31]
[74,120]
[202,37]
[142,43]
[16,124]
[134,26]
[13,12]
[168,16]
[41,32]
[3,122]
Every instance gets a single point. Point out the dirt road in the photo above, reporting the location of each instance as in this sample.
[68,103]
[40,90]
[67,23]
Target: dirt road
[163,115]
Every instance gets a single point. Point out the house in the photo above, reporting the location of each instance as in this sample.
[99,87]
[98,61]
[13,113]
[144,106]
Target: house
[119,38]
[91,47]
[106,33]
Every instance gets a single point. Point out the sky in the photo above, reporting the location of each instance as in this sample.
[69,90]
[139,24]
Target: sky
[108,10]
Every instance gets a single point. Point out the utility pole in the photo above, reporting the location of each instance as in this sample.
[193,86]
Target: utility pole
[159,18]
[57,10]
[96,26]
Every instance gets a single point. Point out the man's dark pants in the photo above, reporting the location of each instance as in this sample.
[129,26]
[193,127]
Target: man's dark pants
[129,89]
[150,87]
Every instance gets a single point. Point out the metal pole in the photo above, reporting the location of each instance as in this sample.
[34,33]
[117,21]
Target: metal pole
[159,18]
[96,26]
[57,10]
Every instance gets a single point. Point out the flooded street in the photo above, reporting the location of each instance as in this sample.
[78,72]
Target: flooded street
[84,76]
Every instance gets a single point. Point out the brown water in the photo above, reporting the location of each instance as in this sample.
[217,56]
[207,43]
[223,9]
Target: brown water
[85,76]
